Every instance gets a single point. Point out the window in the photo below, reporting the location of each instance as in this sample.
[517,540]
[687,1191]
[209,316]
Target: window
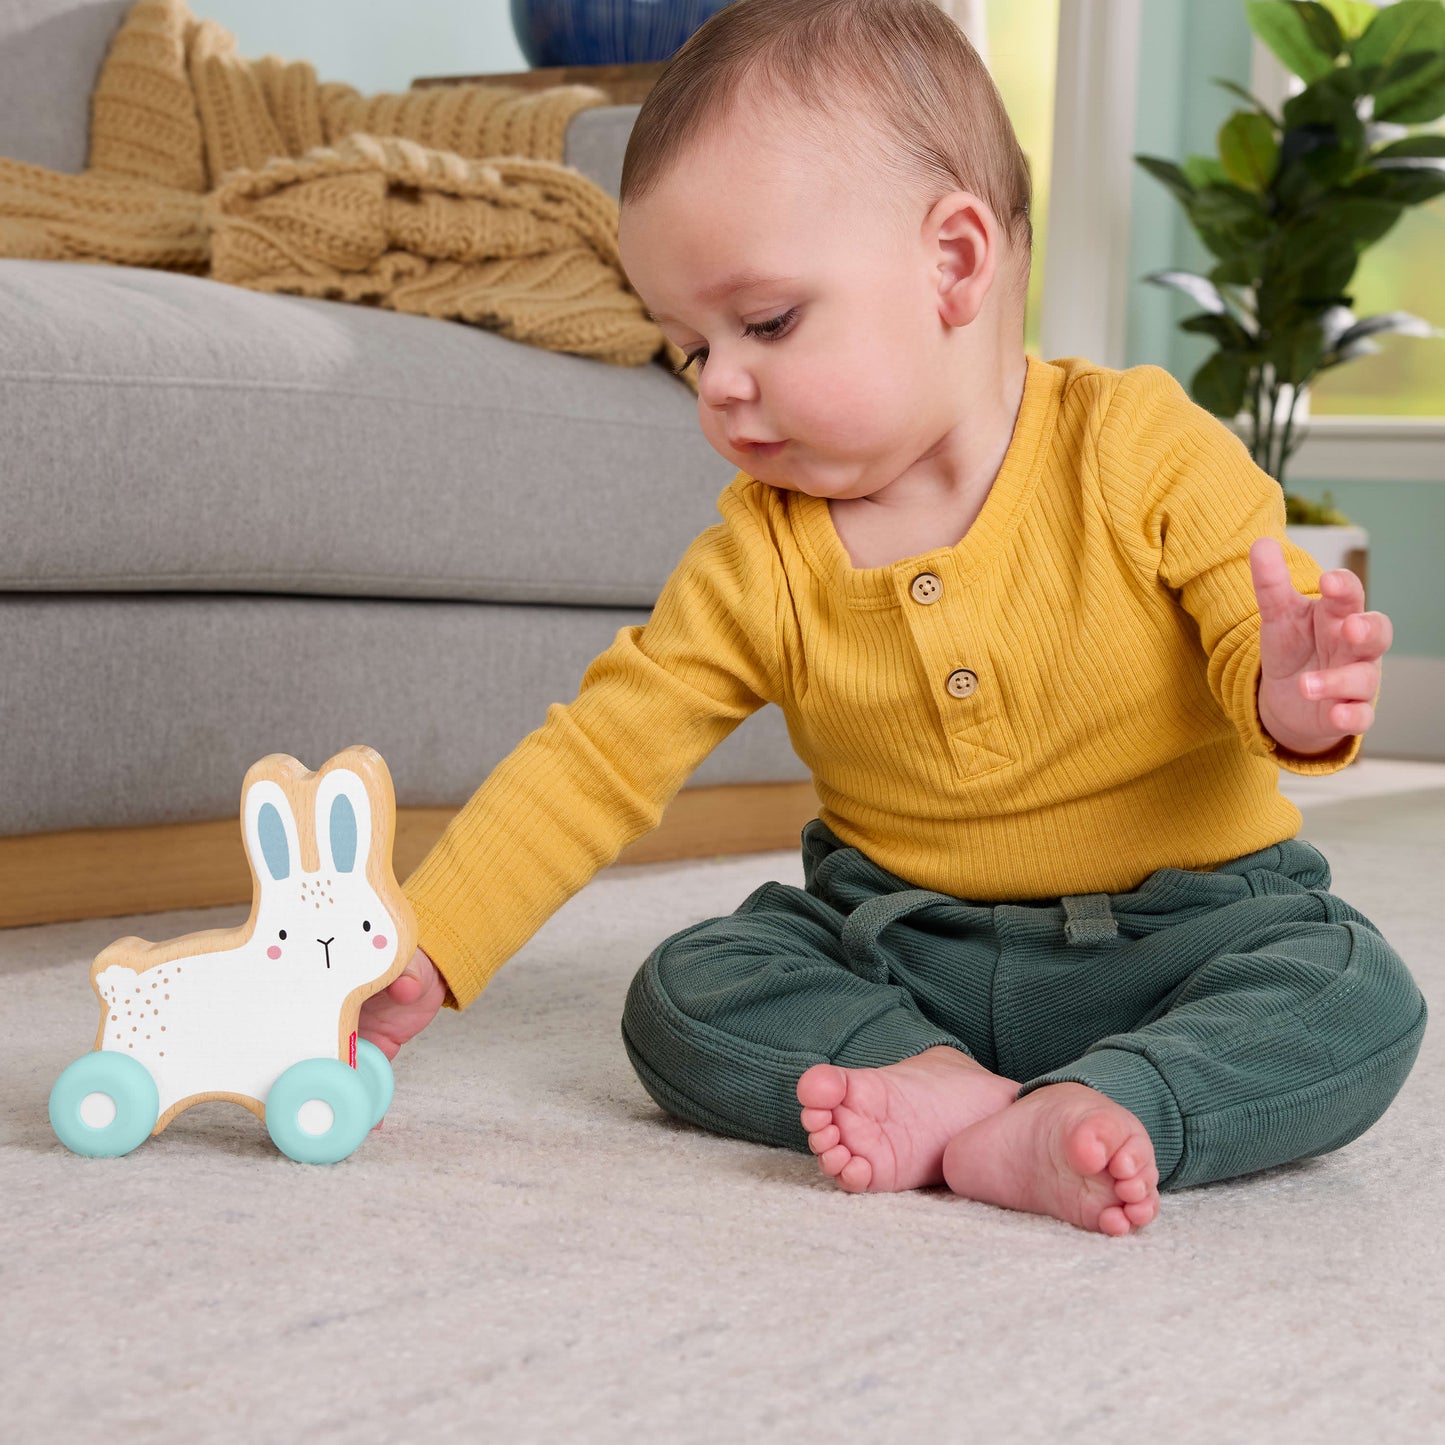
[1022,59]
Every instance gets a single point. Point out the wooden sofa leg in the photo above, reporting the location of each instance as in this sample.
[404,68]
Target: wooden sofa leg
[111,872]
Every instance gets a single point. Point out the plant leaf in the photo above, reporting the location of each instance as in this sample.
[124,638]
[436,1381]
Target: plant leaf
[1219,385]
[1205,171]
[1249,150]
[1416,100]
[1334,323]
[1399,29]
[1170,174]
[1323,29]
[1296,353]
[1354,17]
[1199,288]
[1239,298]
[1402,183]
[1230,209]
[1332,100]
[1283,29]
[1236,89]
[1415,145]
[1241,269]
[1351,352]
[1403,323]
[1230,335]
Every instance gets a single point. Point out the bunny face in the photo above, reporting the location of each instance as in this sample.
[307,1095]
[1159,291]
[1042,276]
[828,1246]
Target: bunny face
[324,932]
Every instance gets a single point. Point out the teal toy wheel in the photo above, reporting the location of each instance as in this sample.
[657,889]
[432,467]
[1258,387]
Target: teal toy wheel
[318,1111]
[375,1070]
[104,1105]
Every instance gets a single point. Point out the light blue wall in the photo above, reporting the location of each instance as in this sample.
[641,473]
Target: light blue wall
[374,44]
[1179,111]
[1406,521]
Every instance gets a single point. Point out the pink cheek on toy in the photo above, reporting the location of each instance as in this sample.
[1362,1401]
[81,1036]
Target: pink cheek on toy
[379,941]
[273,952]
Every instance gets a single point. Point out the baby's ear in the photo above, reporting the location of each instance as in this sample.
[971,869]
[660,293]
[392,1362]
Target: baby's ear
[968,245]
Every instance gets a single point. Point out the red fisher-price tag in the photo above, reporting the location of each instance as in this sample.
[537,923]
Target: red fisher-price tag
[353,1048]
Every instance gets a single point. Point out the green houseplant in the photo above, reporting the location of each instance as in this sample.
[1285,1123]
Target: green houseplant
[1292,201]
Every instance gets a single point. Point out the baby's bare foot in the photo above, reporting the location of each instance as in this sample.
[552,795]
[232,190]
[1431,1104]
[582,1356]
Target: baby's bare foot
[1065,1150]
[885,1129]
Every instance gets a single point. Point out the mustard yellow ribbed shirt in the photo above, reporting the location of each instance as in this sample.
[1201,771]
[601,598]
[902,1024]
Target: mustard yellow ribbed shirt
[1099,625]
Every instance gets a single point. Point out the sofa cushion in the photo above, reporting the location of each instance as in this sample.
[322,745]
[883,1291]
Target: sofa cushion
[135,709]
[50,54]
[165,432]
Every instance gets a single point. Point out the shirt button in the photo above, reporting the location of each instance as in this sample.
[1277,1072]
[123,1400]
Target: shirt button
[927,587]
[962,682]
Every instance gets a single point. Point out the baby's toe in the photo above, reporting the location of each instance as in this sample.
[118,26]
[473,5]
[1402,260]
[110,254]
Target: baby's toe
[1140,1214]
[832,1161]
[821,1140]
[1088,1145]
[822,1086]
[1125,1163]
[856,1174]
[1131,1191]
[815,1119]
[1113,1220]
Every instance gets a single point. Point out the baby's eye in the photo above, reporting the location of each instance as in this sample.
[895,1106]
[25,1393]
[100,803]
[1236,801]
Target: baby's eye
[366,925]
[283,933]
[764,330]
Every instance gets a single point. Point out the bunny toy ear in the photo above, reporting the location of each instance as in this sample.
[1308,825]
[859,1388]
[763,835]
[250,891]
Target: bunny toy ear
[271,837]
[343,823]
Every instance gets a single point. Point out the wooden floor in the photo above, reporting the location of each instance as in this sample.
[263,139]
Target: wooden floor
[110,872]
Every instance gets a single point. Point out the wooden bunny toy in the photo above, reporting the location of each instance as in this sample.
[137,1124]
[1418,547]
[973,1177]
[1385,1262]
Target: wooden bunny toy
[263,1015]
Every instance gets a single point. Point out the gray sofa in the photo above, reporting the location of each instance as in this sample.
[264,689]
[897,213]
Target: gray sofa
[234,524]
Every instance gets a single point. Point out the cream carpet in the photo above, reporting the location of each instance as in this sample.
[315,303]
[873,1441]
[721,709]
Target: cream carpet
[530,1251]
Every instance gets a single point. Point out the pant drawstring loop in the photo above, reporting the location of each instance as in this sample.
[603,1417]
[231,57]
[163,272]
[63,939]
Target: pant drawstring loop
[1088,919]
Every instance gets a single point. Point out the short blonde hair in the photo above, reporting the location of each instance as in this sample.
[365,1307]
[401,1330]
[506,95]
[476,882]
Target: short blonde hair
[934,120]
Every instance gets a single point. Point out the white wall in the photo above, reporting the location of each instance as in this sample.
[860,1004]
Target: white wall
[374,44]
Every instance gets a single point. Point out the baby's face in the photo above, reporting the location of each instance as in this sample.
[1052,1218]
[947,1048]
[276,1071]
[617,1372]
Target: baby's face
[839,358]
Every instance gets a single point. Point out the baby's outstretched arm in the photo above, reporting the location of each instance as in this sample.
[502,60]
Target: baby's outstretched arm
[405,1007]
[1319,657]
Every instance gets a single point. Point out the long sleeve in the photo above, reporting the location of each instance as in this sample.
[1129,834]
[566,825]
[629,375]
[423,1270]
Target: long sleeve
[1189,502]
[600,770]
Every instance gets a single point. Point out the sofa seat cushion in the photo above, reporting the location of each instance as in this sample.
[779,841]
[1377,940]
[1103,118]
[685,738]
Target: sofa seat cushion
[166,432]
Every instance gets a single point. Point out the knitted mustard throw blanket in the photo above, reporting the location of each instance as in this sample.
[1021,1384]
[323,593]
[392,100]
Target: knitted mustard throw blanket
[447,202]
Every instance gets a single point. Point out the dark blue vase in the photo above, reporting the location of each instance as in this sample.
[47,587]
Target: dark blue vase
[605,32]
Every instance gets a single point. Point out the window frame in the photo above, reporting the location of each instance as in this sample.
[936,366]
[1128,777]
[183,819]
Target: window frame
[1084,308]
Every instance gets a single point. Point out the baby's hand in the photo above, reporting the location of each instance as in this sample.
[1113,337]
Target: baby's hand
[1319,657]
[404,1007]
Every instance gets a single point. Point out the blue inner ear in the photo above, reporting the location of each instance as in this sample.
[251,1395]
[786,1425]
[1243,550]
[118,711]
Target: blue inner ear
[273,841]
[343,833]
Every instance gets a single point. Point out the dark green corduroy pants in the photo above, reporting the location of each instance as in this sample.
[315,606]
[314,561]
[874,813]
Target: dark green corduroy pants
[1246,1015]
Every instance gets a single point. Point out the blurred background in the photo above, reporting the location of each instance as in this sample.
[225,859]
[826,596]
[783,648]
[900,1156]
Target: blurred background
[385,44]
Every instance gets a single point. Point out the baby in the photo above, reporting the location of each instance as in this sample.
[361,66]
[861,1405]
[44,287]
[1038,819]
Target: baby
[1036,630]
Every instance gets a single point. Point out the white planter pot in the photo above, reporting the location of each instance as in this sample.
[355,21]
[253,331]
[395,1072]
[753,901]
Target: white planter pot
[1334,547]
